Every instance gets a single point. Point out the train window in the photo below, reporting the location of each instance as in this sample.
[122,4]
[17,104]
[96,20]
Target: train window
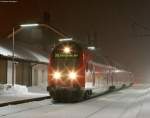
[86,68]
[90,67]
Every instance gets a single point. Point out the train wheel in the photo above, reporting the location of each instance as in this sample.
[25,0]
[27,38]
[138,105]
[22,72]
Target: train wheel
[87,94]
[111,88]
[90,92]
[124,85]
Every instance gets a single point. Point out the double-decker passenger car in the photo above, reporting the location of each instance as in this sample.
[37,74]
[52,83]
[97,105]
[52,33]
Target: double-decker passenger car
[75,73]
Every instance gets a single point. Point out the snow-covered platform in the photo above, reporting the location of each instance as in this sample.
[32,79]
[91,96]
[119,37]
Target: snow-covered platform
[20,94]
[133,102]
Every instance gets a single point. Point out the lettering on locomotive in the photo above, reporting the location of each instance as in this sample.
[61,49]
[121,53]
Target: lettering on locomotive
[61,55]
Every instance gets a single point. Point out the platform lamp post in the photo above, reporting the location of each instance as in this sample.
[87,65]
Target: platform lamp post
[19,29]
[51,28]
[13,47]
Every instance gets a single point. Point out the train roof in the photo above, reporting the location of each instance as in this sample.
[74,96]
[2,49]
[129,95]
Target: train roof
[97,56]
[70,42]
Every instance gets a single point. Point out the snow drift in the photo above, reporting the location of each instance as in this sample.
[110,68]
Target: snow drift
[15,90]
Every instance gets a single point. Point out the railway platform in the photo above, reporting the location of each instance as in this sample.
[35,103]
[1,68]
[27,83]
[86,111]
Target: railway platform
[13,97]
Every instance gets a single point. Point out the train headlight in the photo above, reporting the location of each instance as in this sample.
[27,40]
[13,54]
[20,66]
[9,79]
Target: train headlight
[72,75]
[67,49]
[57,75]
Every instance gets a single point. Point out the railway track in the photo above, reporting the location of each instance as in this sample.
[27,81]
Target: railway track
[35,105]
[136,100]
[117,104]
[32,106]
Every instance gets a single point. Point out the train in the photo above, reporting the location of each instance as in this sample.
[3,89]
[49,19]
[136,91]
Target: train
[76,73]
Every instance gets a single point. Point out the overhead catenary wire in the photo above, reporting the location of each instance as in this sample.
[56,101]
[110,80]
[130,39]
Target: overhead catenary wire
[135,25]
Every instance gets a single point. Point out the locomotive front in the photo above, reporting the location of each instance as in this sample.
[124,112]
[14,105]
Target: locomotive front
[66,72]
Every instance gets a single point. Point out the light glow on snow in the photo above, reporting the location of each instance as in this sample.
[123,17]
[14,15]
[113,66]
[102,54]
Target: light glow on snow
[5,52]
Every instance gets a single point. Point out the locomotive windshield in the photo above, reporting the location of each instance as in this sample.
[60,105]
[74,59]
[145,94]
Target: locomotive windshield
[66,56]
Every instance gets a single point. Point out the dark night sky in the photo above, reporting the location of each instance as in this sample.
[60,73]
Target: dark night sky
[121,27]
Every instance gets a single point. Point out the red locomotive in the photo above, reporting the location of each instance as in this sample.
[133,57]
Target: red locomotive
[75,73]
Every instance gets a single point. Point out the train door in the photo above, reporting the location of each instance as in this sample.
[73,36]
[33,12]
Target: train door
[93,74]
[88,76]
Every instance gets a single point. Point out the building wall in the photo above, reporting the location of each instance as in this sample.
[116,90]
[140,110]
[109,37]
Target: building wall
[3,71]
[27,74]
[9,72]
[23,73]
[39,75]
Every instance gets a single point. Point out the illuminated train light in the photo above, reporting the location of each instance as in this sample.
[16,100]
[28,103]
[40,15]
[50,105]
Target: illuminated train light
[67,50]
[57,75]
[72,75]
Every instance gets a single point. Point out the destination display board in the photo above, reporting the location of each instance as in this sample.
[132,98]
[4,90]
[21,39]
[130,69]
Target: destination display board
[63,55]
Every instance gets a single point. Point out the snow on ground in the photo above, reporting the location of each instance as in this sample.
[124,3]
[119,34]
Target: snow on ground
[10,93]
[7,89]
[129,103]
[38,89]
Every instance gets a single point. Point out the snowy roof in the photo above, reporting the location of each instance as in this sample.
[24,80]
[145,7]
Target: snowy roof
[31,44]
[23,52]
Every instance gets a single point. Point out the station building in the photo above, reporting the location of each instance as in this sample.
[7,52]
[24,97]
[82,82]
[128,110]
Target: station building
[31,57]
